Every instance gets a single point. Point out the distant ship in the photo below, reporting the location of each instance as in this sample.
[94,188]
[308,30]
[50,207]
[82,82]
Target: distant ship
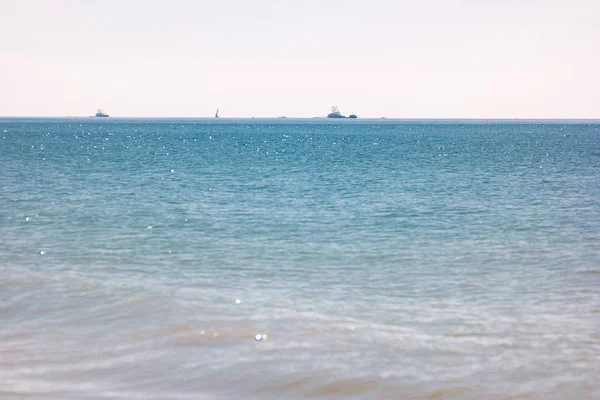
[100,113]
[335,113]
[217,113]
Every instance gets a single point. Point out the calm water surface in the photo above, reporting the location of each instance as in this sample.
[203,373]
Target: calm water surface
[379,259]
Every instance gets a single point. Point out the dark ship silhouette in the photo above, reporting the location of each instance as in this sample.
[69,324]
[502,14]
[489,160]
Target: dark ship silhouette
[335,113]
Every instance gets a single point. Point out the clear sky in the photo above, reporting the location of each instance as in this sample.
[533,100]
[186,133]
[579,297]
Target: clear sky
[265,58]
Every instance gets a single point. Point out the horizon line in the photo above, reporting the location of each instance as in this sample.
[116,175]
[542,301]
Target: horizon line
[311,118]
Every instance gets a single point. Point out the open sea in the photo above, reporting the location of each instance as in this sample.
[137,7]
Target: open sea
[377,259]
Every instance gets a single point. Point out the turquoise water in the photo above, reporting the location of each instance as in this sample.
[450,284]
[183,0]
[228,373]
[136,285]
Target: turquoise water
[380,259]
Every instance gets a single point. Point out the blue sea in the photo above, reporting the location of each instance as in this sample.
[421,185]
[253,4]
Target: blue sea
[288,259]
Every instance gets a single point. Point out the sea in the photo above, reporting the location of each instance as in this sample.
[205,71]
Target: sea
[299,258]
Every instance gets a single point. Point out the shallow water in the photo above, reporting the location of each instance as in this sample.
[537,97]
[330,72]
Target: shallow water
[382,259]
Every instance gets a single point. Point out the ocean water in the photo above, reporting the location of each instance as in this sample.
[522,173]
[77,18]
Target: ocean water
[378,259]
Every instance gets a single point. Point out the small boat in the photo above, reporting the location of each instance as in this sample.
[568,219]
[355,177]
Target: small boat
[352,116]
[100,113]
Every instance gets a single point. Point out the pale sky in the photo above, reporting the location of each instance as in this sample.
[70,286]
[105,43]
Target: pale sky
[264,58]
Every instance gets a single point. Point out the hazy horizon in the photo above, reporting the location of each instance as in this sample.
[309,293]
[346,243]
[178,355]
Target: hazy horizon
[467,120]
[432,60]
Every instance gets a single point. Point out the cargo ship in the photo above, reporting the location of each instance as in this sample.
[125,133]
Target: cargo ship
[101,113]
[335,113]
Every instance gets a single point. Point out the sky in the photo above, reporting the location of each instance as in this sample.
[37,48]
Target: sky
[264,58]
